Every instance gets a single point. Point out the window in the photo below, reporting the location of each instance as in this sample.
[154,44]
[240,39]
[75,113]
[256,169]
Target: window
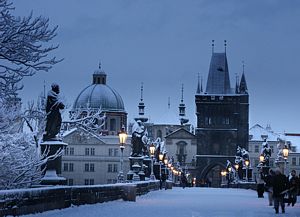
[112,125]
[227,120]
[86,182]
[70,181]
[92,182]
[116,151]
[71,151]
[110,152]
[86,167]
[256,150]
[294,161]
[115,168]
[66,151]
[87,151]
[93,151]
[66,167]
[71,167]
[110,168]
[92,167]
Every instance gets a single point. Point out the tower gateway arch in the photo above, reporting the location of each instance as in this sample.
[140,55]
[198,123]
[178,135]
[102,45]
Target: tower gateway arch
[222,120]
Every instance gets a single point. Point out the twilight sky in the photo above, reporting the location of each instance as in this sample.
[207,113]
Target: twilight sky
[164,43]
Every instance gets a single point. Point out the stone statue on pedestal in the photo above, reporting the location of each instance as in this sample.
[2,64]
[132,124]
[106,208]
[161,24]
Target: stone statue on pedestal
[53,116]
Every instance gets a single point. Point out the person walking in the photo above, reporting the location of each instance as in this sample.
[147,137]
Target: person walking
[260,185]
[183,180]
[280,185]
[293,188]
[268,186]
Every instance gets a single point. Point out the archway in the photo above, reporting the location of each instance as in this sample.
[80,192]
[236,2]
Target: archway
[211,175]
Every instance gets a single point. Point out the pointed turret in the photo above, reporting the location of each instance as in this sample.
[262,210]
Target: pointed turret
[181,107]
[243,85]
[141,107]
[198,86]
[237,87]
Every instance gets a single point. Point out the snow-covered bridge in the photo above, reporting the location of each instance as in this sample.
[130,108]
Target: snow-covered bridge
[178,202]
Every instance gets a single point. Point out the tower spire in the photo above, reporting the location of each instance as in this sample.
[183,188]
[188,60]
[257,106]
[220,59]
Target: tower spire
[198,85]
[181,107]
[141,107]
[243,84]
[225,45]
[142,89]
[99,64]
[212,46]
[201,88]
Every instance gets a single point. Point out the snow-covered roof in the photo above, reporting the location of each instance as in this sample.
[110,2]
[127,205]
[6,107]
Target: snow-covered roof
[294,138]
[258,133]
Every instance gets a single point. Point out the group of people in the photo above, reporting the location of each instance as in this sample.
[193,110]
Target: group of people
[280,189]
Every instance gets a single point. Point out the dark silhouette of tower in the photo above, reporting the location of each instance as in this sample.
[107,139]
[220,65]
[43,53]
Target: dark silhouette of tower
[222,119]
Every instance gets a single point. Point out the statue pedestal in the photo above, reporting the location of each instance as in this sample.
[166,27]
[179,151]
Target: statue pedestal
[136,167]
[53,167]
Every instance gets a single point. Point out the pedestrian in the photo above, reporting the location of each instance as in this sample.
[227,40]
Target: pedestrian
[183,180]
[293,188]
[260,185]
[280,185]
[268,186]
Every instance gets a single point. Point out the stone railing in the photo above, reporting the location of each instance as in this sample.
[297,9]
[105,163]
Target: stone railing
[34,200]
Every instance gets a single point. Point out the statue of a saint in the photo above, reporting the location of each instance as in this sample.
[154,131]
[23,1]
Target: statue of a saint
[137,139]
[53,116]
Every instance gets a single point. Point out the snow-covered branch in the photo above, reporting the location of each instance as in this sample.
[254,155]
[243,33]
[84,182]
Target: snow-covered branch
[23,47]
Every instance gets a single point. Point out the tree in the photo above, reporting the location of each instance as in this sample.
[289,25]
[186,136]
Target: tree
[24,51]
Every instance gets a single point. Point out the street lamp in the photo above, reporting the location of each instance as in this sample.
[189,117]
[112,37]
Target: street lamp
[261,158]
[122,138]
[285,153]
[152,152]
[247,162]
[236,171]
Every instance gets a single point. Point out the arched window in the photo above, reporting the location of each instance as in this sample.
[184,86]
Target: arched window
[181,152]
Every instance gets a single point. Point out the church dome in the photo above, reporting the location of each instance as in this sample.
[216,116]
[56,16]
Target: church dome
[99,95]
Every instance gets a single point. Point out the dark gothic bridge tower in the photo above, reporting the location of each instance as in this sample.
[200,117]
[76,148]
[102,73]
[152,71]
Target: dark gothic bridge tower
[222,119]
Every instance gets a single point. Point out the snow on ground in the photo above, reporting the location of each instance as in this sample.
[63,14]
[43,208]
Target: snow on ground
[178,202]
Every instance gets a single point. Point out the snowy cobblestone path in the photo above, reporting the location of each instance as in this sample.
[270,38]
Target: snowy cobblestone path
[178,202]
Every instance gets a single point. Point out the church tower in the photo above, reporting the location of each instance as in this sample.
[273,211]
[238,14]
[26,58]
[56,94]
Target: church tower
[222,119]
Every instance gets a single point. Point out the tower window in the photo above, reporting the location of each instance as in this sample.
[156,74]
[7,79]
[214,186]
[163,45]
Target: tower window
[112,124]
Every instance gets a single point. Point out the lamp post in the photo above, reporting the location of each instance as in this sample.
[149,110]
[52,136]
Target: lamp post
[285,153]
[247,162]
[122,138]
[152,152]
[223,174]
[160,158]
[236,172]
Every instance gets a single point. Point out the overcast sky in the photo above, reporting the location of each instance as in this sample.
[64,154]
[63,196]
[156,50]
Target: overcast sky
[165,43]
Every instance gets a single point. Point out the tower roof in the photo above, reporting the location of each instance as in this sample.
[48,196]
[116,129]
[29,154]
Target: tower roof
[243,85]
[218,81]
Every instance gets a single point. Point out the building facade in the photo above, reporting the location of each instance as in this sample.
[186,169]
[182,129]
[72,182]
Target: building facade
[222,120]
[95,159]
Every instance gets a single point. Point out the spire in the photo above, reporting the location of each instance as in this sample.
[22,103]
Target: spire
[141,107]
[225,45]
[243,83]
[212,46]
[198,85]
[236,83]
[169,103]
[142,91]
[218,81]
[201,89]
[181,107]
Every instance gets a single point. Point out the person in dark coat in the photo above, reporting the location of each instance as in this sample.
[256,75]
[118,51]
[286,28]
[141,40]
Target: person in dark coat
[293,188]
[183,180]
[280,185]
[268,186]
